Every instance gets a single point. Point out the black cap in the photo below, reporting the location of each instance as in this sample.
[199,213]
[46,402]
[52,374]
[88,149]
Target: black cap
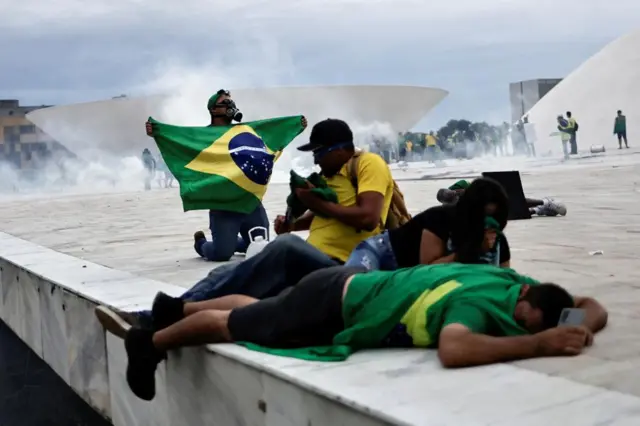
[326,133]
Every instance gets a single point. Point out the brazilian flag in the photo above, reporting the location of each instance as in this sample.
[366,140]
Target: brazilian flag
[224,167]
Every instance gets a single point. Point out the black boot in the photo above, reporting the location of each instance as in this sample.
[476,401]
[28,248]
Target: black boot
[166,311]
[143,359]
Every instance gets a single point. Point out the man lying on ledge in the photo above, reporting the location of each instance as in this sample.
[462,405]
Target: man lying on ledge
[473,314]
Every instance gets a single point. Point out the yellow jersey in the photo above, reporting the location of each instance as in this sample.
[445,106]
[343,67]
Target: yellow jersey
[333,237]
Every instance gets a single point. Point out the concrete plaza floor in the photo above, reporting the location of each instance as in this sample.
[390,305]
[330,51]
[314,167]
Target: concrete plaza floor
[146,233]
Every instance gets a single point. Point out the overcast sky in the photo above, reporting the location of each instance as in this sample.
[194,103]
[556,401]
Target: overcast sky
[68,51]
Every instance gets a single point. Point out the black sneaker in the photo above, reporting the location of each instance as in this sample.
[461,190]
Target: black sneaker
[166,311]
[143,359]
[198,236]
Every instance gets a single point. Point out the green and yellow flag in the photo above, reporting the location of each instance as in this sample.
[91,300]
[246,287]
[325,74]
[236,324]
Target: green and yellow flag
[224,167]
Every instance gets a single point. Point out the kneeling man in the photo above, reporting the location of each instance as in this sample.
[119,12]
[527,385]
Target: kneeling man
[473,314]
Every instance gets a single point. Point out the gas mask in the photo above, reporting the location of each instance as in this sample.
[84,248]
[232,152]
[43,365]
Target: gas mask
[231,110]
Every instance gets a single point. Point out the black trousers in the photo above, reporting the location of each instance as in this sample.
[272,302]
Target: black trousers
[574,144]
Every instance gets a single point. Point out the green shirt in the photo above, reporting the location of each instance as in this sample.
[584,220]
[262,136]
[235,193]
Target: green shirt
[423,299]
[620,124]
[410,306]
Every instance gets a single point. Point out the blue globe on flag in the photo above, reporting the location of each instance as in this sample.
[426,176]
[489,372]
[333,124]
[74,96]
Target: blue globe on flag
[250,155]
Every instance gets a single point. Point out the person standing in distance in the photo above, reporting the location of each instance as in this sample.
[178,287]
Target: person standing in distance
[150,168]
[573,130]
[620,129]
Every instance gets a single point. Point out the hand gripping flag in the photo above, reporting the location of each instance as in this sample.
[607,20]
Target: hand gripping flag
[224,167]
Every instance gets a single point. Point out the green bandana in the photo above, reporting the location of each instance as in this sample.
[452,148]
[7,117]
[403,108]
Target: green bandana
[491,223]
[461,184]
[212,101]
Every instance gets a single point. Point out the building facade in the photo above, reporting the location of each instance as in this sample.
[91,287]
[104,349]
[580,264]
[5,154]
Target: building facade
[22,143]
[523,95]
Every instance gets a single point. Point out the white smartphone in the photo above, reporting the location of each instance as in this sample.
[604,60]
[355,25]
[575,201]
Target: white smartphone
[572,316]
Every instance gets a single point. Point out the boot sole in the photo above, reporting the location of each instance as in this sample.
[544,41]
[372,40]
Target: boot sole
[112,322]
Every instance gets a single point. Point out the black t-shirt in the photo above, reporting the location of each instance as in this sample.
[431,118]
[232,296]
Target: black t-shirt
[405,240]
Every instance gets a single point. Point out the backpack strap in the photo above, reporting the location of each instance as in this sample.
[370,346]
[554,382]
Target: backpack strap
[353,176]
[353,169]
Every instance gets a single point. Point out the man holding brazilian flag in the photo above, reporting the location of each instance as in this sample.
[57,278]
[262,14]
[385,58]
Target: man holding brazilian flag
[225,168]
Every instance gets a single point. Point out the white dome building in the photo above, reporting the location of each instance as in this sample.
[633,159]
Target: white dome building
[605,83]
[116,126]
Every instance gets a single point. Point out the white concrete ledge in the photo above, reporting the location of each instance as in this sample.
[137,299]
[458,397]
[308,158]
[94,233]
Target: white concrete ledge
[47,298]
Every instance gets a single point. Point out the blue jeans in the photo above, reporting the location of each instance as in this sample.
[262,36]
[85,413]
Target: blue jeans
[225,227]
[281,264]
[374,253]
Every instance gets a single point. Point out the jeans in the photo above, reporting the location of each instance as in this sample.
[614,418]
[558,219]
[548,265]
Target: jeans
[225,227]
[375,253]
[281,264]
[622,135]
[574,144]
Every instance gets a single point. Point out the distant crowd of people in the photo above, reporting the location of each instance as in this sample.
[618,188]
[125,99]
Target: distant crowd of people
[431,146]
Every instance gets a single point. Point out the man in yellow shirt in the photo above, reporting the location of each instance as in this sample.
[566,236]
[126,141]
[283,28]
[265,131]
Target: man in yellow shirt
[338,228]
[409,147]
[431,146]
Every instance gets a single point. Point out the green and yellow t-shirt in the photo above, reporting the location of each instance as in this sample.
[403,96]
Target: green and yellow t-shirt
[409,307]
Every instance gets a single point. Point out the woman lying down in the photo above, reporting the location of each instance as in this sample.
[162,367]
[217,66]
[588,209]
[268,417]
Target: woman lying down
[469,231]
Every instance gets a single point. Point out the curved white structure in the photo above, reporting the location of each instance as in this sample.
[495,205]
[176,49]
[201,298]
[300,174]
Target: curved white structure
[605,83]
[117,125]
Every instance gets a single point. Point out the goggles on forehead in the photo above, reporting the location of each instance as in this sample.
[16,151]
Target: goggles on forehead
[225,103]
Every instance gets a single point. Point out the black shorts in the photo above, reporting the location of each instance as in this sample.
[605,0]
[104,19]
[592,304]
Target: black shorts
[308,314]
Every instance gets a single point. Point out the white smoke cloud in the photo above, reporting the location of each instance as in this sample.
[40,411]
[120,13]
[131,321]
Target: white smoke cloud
[260,62]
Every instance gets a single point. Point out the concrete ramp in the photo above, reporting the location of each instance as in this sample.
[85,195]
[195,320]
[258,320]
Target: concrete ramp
[48,300]
[105,248]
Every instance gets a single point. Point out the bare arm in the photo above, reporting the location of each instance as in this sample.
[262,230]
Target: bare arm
[596,314]
[506,264]
[460,347]
[432,249]
[303,223]
[374,180]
